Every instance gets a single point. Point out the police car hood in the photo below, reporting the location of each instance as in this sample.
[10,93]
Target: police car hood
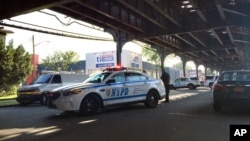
[77,85]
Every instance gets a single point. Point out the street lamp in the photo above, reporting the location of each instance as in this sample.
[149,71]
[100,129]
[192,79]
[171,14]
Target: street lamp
[33,56]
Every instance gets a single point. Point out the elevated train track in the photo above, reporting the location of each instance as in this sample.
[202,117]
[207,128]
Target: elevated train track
[214,33]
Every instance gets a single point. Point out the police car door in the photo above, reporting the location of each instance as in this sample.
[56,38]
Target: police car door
[184,82]
[177,82]
[137,85]
[116,90]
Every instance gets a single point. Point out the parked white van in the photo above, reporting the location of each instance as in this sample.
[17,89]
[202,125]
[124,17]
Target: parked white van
[32,93]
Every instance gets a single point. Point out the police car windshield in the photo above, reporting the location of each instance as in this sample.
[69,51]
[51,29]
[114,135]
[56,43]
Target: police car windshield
[97,78]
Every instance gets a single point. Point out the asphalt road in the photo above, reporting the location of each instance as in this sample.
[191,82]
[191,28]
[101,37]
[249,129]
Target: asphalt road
[188,117]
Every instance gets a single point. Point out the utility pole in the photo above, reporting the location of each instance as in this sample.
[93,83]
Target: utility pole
[34,61]
[33,58]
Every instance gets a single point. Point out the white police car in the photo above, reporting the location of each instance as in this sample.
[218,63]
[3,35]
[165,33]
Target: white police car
[105,89]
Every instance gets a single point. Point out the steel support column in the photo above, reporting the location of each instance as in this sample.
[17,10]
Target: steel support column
[120,38]
[205,71]
[197,70]
[184,62]
[197,64]
[119,45]
[246,54]
[212,71]
[163,53]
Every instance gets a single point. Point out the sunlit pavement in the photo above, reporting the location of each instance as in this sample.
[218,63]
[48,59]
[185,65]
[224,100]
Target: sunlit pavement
[185,93]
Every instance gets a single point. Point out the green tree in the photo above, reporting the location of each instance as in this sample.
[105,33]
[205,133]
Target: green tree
[180,67]
[60,60]
[15,65]
[151,55]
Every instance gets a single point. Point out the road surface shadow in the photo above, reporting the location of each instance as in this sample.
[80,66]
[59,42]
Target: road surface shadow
[108,110]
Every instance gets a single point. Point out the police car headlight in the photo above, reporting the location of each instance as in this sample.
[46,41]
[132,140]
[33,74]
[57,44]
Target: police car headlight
[72,92]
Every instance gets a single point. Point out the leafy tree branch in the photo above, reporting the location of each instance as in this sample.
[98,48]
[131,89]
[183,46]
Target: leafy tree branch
[60,61]
[15,65]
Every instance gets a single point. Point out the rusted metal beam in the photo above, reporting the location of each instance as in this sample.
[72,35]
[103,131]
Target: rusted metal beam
[106,24]
[163,13]
[220,10]
[142,14]
[217,37]
[196,39]
[107,15]
[184,40]
[198,11]
[12,8]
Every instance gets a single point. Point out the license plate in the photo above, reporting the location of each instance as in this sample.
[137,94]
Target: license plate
[238,89]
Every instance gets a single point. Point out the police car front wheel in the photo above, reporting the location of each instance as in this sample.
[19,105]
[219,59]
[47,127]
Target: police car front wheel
[90,105]
[152,99]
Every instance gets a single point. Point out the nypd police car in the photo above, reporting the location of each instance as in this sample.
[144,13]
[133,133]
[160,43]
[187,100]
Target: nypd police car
[112,87]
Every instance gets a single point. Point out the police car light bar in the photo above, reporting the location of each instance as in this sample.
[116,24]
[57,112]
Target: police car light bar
[117,68]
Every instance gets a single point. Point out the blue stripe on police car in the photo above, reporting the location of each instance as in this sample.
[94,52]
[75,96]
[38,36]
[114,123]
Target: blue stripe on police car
[125,97]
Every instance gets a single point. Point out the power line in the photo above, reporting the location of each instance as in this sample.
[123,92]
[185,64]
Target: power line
[69,23]
[62,32]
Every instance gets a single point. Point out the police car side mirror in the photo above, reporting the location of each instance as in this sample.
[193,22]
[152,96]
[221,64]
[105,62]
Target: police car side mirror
[111,81]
